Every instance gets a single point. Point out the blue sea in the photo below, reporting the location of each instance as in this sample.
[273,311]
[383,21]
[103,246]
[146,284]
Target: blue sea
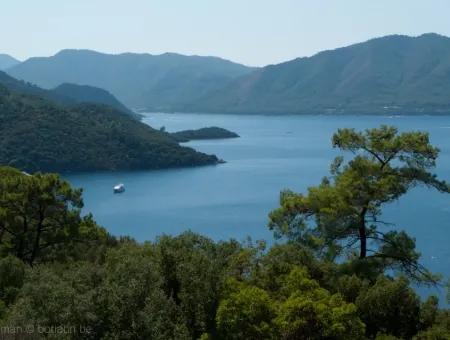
[232,200]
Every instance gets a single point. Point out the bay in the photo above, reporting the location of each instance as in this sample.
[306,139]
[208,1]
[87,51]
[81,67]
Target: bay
[232,200]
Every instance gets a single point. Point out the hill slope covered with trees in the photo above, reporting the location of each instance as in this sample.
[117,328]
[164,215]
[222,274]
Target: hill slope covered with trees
[393,74]
[66,93]
[40,135]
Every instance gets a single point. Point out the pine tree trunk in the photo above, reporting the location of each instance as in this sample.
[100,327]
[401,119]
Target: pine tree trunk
[2,232]
[35,250]
[21,245]
[362,234]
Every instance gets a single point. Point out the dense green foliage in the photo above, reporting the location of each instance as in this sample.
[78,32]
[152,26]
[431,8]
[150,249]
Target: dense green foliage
[389,75]
[40,216]
[299,309]
[203,133]
[40,135]
[64,277]
[142,81]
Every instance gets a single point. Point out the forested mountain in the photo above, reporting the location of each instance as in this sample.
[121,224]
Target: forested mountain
[24,87]
[156,82]
[393,74]
[66,93]
[6,61]
[38,134]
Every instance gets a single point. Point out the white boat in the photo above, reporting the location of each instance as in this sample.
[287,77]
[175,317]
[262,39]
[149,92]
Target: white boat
[119,188]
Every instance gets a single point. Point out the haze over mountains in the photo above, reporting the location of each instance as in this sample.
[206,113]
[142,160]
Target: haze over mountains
[6,61]
[393,74]
[154,82]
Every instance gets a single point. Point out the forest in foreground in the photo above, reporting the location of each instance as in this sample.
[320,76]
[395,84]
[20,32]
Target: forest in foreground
[336,272]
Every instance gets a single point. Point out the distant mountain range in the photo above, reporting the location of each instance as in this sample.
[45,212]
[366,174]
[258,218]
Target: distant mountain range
[6,61]
[393,74]
[152,82]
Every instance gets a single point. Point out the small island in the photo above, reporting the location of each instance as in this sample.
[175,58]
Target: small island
[203,133]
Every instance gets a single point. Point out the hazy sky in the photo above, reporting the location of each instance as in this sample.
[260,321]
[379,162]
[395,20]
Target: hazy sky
[253,32]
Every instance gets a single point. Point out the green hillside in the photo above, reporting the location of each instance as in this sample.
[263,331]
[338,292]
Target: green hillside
[394,74]
[66,93]
[38,134]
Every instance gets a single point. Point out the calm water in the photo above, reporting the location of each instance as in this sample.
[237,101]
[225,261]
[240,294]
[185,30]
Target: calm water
[232,200]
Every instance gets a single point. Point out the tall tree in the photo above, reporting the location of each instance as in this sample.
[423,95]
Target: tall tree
[39,214]
[343,212]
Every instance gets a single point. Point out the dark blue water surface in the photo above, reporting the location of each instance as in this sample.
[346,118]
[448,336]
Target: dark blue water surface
[233,200]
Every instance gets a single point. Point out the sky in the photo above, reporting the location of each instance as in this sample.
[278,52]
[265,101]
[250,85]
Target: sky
[252,32]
